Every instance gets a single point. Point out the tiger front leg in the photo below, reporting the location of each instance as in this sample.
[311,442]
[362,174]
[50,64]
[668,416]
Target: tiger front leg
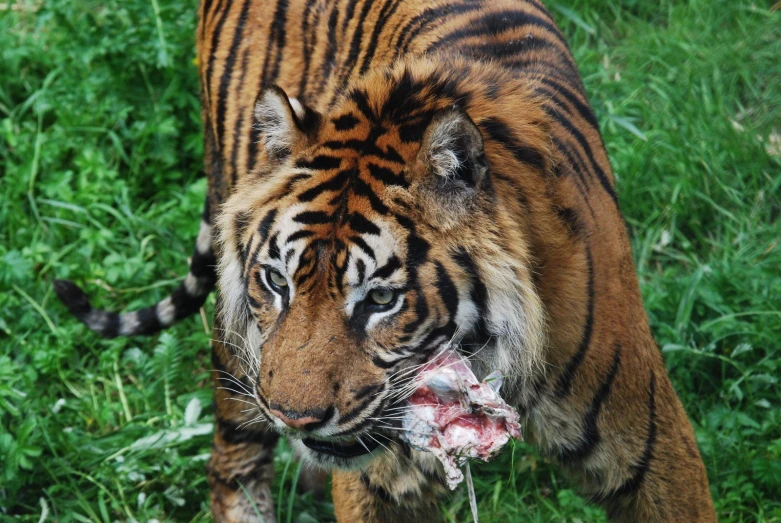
[241,467]
[399,486]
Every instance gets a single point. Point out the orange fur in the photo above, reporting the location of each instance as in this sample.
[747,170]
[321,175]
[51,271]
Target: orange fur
[543,231]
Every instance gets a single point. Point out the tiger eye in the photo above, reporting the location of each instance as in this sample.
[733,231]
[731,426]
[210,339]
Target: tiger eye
[382,296]
[276,278]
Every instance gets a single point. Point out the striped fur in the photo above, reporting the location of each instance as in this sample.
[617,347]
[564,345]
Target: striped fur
[187,299]
[444,155]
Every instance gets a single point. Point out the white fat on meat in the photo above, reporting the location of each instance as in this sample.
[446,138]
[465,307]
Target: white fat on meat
[455,417]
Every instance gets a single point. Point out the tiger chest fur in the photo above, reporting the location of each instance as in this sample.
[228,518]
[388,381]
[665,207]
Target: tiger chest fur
[389,176]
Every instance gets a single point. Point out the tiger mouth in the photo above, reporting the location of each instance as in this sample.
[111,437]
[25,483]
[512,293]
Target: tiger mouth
[341,449]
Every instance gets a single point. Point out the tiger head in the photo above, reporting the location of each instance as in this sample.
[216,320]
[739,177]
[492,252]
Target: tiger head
[372,236]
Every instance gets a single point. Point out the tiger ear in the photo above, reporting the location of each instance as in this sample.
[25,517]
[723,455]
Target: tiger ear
[284,122]
[452,150]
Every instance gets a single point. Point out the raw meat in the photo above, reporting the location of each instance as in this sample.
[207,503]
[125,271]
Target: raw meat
[455,417]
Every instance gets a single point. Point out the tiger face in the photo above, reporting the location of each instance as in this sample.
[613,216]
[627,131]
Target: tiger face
[352,255]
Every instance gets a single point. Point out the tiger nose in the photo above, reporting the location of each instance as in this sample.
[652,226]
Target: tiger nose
[296,420]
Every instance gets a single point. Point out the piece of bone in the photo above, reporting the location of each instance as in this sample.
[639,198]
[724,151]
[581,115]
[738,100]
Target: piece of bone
[454,416]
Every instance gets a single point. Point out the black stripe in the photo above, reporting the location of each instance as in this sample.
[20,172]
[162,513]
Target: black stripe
[238,126]
[536,65]
[421,313]
[386,176]
[430,15]
[339,268]
[572,220]
[640,469]
[447,291]
[235,434]
[288,256]
[417,247]
[411,133]
[252,147]
[564,383]
[376,490]
[367,390]
[362,102]
[567,125]
[417,254]
[357,240]
[148,321]
[309,37]
[492,24]
[479,292]
[349,11]
[354,413]
[240,224]
[304,233]
[334,184]
[501,133]
[381,363]
[111,323]
[402,101]
[320,163]
[265,225]
[225,79]
[388,269]
[329,58]
[361,268]
[294,180]
[346,122]
[590,435]
[361,188]
[360,224]
[509,51]
[301,276]
[206,214]
[367,148]
[571,96]
[358,427]
[255,304]
[576,163]
[392,155]
[207,5]
[273,246]
[266,79]
[385,13]
[309,122]
[73,297]
[355,45]
[213,49]
[431,341]
[202,266]
[313,218]
[185,303]
[278,30]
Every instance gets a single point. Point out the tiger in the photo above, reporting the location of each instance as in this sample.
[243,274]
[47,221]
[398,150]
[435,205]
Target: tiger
[389,177]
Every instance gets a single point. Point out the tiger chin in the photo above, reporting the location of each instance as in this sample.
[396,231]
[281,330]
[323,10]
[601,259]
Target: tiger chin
[387,178]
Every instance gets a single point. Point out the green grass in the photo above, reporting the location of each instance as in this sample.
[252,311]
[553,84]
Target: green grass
[100,151]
